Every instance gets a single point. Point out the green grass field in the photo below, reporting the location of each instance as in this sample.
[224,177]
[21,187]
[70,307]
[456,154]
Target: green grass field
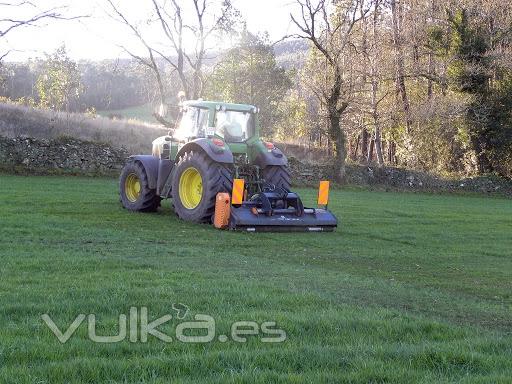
[411,288]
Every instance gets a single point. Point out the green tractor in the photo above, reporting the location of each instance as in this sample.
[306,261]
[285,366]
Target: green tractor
[213,144]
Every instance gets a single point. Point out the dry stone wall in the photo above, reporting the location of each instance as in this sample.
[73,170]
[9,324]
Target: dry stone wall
[67,155]
[63,154]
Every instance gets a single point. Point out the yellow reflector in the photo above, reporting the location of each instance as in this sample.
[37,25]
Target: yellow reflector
[237,197]
[323,193]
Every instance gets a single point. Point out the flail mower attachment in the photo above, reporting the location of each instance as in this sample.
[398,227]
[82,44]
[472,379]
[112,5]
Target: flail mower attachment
[274,209]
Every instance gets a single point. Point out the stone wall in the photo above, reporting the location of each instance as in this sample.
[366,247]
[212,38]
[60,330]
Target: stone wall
[398,179]
[68,155]
[64,154]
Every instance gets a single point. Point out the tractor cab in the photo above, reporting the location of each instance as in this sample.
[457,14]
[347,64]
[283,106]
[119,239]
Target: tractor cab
[234,123]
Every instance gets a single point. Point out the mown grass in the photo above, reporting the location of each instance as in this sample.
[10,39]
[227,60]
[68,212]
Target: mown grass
[412,288]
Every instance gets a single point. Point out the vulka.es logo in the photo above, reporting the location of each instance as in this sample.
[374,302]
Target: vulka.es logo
[138,328]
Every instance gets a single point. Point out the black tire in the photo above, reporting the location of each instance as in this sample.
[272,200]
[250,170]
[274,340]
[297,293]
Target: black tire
[277,175]
[216,178]
[147,200]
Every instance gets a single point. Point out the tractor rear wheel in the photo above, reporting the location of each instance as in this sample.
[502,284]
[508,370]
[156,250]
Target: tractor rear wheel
[277,175]
[134,189]
[196,181]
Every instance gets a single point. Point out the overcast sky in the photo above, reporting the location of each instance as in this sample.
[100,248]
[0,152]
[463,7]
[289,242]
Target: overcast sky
[99,37]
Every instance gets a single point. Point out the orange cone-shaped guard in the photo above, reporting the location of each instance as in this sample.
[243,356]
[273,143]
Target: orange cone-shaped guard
[222,211]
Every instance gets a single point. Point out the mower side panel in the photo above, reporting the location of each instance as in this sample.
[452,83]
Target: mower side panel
[321,220]
[150,164]
[217,154]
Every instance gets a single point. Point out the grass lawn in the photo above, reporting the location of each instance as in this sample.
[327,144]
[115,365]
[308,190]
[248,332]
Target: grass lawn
[411,288]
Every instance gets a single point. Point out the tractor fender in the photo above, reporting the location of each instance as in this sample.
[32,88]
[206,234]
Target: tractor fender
[271,157]
[217,154]
[150,164]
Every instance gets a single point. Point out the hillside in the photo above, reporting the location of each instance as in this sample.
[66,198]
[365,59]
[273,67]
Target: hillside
[291,53]
[133,135]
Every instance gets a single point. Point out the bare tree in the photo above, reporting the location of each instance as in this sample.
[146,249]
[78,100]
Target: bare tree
[177,23]
[9,24]
[329,26]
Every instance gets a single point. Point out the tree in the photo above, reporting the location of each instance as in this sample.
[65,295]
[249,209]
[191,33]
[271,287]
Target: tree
[372,48]
[59,86]
[248,73]
[477,53]
[9,23]
[179,23]
[329,28]
[397,10]
[294,123]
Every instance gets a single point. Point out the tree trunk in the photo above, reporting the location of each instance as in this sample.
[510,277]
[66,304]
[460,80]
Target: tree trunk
[376,123]
[356,150]
[396,13]
[375,89]
[336,132]
[369,157]
[364,144]
[399,62]
[378,144]
[430,83]
[337,136]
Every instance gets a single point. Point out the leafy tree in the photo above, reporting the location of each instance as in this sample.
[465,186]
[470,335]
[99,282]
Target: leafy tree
[248,73]
[489,113]
[59,86]
[294,119]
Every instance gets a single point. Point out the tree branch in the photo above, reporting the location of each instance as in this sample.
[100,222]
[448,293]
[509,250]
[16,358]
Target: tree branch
[49,14]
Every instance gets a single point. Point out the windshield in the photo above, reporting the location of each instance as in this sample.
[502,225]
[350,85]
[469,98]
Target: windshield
[193,124]
[234,126]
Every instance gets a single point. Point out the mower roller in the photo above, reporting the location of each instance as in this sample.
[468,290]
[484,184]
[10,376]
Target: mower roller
[216,169]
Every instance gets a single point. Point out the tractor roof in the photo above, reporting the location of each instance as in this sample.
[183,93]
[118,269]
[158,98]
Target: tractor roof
[215,104]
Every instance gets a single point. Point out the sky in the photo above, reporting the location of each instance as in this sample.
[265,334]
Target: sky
[100,37]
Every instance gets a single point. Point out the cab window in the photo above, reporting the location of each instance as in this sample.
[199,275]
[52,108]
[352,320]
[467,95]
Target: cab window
[193,124]
[234,126]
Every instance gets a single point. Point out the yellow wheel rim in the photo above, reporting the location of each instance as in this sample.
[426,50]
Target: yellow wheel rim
[132,187]
[191,188]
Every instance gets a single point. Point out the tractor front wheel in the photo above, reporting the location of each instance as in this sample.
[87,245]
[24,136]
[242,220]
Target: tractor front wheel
[196,181]
[134,189]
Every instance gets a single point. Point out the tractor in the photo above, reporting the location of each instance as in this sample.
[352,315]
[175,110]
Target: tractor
[213,145]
